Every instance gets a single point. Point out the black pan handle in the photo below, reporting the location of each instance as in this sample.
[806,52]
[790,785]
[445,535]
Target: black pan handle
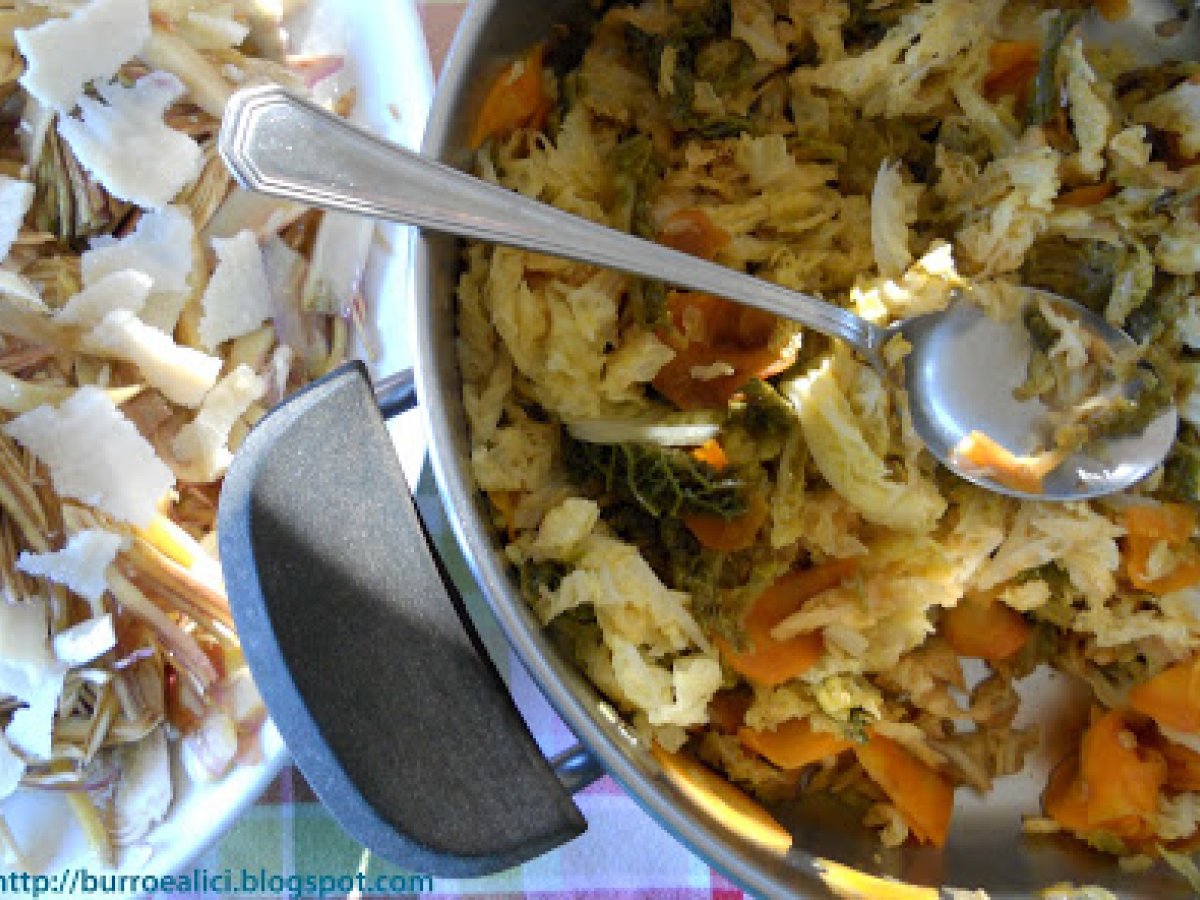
[364,653]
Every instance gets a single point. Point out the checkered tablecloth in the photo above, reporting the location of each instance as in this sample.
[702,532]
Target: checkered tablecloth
[624,853]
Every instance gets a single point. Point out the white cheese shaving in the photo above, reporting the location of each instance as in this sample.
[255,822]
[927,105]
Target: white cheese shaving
[96,455]
[85,641]
[238,297]
[125,145]
[202,442]
[143,794]
[80,565]
[31,729]
[15,199]
[25,657]
[12,769]
[62,55]
[183,375]
[160,246]
[125,290]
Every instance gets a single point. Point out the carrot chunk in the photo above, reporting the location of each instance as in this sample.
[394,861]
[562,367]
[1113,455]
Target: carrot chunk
[1171,522]
[983,627]
[516,99]
[738,533]
[1086,195]
[982,453]
[713,453]
[1012,66]
[1112,785]
[921,794]
[1145,527]
[1172,697]
[692,231]
[1122,778]
[713,332]
[793,744]
[1065,798]
[772,662]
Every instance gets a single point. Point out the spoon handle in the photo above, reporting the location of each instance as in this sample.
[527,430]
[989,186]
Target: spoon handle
[285,146]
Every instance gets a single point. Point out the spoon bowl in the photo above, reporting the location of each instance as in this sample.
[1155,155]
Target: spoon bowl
[988,359]
[960,373]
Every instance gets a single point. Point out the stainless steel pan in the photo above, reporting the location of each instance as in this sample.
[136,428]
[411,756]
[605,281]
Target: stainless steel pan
[421,804]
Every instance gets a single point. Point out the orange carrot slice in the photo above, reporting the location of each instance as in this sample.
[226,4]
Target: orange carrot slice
[1012,66]
[981,626]
[1147,525]
[713,453]
[1122,778]
[921,794]
[730,535]
[1065,798]
[732,335]
[980,452]
[692,231]
[793,744]
[1171,522]
[516,99]
[1172,697]
[1086,195]
[771,662]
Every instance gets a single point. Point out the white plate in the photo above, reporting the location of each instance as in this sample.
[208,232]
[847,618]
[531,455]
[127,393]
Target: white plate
[388,64]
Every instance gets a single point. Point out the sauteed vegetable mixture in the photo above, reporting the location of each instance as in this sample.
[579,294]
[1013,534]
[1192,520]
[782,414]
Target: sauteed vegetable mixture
[728,520]
[150,313]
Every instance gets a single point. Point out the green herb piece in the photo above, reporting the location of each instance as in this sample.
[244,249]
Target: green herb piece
[536,576]
[1081,270]
[763,412]
[1044,99]
[638,171]
[664,481]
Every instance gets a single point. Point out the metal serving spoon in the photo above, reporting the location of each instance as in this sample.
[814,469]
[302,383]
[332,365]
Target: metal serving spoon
[960,374]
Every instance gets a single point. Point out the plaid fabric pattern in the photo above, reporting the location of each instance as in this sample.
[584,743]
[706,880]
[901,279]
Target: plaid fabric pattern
[623,854]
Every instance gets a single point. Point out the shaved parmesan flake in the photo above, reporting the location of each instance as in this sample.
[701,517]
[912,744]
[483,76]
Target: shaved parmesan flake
[25,657]
[126,290]
[182,374]
[12,768]
[80,565]
[202,441]
[62,55]
[238,298]
[160,246]
[83,642]
[15,199]
[96,455]
[31,728]
[143,794]
[126,145]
